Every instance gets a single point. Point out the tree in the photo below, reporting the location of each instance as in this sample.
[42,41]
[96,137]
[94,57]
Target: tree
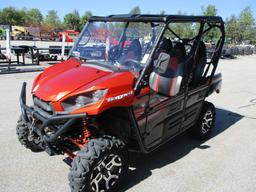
[162,12]
[232,28]
[182,29]
[136,10]
[85,18]
[11,16]
[72,20]
[213,34]
[210,10]
[34,17]
[246,25]
[52,19]
[23,14]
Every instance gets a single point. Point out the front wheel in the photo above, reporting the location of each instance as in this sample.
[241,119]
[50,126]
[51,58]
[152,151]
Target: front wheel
[22,132]
[100,166]
[205,123]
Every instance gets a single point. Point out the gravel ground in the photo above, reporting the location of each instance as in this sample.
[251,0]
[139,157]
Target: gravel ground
[224,163]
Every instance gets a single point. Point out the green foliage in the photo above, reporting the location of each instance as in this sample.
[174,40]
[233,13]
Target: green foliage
[246,25]
[183,30]
[232,29]
[239,28]
[162,12]
[52,19]
[135,10]
[72,20]
[11,16]
[210,10]
[34,17]
[84,18]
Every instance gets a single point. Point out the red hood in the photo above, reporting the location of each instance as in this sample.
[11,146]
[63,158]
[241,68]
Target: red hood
[58,81]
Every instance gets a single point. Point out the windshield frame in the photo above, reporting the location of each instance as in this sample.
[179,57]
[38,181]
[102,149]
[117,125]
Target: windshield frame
[166,20]
[153,25]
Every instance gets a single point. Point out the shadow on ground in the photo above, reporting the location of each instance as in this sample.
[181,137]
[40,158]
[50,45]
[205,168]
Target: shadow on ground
[175,150]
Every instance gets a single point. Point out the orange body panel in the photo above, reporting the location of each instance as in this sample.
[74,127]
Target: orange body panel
[71,78]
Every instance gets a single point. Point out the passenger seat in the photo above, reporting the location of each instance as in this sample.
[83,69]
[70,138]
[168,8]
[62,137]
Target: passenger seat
[169,82]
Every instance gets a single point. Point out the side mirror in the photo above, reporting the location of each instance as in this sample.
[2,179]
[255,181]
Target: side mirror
[162,63]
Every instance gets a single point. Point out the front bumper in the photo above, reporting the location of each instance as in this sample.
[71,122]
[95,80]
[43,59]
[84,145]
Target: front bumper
[30,115]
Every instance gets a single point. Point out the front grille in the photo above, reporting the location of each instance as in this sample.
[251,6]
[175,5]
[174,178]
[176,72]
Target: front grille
[43,107]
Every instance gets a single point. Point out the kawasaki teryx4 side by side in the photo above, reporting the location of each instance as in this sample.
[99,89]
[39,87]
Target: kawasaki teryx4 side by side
[131,83]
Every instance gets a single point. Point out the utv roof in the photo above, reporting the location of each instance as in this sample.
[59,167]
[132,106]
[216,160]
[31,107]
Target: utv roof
[157,18]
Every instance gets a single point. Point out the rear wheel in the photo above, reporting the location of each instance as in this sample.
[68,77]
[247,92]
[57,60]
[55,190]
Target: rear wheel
[22,131]
[205,123]
[100,166]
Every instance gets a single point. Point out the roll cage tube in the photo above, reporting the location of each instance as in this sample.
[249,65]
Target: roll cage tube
[197,38]
[78,39]
[122,40]
[153,38]
[138,85]
[217,52]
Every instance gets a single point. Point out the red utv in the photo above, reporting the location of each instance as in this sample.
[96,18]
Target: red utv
[108,99]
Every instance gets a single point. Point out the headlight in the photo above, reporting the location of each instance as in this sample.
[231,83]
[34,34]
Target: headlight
[83,100]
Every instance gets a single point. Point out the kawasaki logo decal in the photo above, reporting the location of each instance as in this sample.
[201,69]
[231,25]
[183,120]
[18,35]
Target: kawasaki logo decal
[118,97]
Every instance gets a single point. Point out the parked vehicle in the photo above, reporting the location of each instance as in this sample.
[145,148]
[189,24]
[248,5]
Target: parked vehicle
[231,51]
[106,99]
[41,55]
[20,33]
[70,35]
[56,33]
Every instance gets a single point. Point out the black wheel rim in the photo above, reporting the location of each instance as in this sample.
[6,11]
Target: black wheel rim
[207,122]
[106,173]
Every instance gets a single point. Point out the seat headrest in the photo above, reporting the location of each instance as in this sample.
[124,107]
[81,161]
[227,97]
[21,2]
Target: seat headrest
[201,52]
[165,45]
[135,47]
[179,51]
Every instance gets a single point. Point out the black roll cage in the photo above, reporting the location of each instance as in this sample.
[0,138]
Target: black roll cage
[211,21]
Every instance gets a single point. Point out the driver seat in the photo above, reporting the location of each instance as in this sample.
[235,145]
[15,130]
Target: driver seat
[169,82]
[134,51]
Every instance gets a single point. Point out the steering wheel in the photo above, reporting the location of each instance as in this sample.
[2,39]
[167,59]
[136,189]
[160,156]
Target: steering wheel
[113,53]
[133,64]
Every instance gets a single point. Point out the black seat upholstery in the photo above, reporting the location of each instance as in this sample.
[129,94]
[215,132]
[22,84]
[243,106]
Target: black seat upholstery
[169,82]
[179,51]
[165,46]
[134,50]
[199,63]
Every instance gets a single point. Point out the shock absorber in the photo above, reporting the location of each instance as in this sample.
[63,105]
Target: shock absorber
[81,141]
[86,132]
